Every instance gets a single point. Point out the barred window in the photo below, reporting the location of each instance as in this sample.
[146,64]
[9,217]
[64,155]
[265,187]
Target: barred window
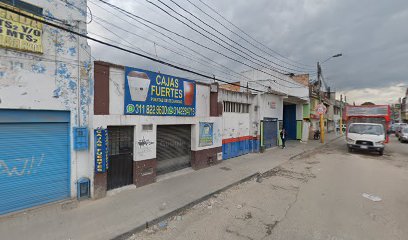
[236,107]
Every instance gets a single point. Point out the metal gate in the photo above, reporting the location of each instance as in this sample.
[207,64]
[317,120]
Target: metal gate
[270,132]
[34,158]
[120,169]
[173,148]
[289,120]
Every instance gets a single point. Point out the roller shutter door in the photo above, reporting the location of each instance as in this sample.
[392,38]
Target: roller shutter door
[34,164]
[173,148]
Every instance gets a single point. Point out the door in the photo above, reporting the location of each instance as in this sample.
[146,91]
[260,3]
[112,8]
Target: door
[173,148]
[270,132]
[289,120]
[34,159]
[120,168]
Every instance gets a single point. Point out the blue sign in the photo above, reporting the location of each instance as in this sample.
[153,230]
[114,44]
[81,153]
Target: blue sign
[206,134]
[101,150]
[156,94]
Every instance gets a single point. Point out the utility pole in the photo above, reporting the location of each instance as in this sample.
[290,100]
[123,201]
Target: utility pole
[319,72]
[341,114]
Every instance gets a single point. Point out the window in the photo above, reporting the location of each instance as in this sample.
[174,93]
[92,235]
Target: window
[236,107]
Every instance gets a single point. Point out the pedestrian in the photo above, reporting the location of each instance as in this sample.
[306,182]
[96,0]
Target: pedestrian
[283,137]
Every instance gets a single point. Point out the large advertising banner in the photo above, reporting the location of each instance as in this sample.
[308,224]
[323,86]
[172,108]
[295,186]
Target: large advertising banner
[19,32]
[156,94]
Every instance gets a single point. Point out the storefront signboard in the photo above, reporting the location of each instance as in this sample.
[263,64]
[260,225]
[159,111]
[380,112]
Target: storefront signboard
[156,94]
[19,32]
[101,150]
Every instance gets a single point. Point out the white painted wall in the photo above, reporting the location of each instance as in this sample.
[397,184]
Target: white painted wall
[59,79]
[235,125]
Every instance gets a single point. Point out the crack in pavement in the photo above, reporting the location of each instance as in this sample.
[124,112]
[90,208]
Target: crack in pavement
[236,233]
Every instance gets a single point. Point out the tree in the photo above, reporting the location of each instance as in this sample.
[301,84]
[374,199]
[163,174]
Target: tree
[368,104]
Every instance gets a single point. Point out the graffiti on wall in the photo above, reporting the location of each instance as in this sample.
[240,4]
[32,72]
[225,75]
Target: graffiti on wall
[21,167]
[145,146]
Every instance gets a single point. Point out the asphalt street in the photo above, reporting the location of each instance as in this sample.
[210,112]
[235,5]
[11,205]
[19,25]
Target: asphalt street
[315,196]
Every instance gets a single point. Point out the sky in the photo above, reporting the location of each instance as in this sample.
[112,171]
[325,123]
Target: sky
[371,35]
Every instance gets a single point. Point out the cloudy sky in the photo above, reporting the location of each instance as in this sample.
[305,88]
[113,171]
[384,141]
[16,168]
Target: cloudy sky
[371,35]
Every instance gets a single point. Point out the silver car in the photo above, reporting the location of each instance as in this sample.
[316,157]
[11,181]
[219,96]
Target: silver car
[403,135]
[400,126]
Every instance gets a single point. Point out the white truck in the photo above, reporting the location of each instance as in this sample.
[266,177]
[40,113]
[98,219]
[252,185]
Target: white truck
[366,136]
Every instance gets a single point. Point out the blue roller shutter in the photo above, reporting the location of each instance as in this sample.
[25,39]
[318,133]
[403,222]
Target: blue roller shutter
[34,164]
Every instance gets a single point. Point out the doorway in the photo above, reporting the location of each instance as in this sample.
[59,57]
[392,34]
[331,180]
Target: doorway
[120,167]
[173,148]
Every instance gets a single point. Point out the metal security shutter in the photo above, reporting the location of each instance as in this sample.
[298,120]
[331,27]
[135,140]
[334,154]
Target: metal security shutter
[34,164]
[173,148]
[270,132]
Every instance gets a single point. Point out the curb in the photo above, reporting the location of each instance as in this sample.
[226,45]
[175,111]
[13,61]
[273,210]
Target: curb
[140,228]
[174,212]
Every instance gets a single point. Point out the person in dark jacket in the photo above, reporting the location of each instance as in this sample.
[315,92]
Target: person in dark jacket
[283,137]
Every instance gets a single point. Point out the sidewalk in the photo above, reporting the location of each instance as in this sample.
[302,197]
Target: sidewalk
[128,210]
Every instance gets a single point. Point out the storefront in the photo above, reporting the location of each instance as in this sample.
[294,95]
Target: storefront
[173,148]
[157,124]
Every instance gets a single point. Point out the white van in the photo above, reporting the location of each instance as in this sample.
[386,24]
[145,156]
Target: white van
[366,136]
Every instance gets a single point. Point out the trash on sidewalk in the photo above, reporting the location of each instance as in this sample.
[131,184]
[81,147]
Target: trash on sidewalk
[372,197]
[163,225]
[239,206]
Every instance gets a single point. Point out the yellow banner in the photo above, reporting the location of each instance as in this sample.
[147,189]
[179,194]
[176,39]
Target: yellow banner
[19,32]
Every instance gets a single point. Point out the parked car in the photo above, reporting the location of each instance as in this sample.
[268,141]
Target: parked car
[366,136]
[403,136]
[400,126]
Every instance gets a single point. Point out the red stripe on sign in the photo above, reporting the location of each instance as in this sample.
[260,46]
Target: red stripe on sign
[239,139]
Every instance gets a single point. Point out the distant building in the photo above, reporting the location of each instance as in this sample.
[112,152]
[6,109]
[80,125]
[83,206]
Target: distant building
[404,107]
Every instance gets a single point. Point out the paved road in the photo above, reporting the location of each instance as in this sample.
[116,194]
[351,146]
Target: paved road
[313,197]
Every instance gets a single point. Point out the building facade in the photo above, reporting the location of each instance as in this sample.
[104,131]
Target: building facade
[46,91]
[156,124]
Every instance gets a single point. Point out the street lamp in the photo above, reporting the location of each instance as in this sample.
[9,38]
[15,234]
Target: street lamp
[319,72]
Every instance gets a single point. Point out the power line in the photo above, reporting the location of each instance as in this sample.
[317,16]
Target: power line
[97,19]
[262,64]
[208,25]
[210,61]
[215,11]
[133,16]
[117,47]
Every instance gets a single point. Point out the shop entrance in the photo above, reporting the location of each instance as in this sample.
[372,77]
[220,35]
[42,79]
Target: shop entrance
[120,169]
[173,148]
[289,120]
